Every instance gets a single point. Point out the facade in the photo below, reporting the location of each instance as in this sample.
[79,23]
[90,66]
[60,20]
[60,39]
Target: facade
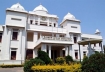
[24,33]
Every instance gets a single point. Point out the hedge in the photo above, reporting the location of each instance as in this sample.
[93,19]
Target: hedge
[10,66]
[57,68]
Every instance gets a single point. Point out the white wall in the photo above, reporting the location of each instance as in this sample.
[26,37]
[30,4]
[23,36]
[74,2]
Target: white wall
[16,15]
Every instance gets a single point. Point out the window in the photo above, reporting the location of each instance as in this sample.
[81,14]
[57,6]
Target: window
[75,39]
[0,37]
[49,25]
[15,34]
[36,23]
[16,19]
[54,25]
[76,54]
[30,36]
[31,21]
[13,53]
[84,53]
[73,27]
[29,54]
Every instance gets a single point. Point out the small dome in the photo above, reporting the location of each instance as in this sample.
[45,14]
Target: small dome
[40,8]
[17,6]
[97,31]
[69,16]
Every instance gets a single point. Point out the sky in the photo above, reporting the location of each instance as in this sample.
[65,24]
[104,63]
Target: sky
[91,13]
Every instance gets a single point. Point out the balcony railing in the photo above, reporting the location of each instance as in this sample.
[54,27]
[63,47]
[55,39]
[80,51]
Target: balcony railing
[56,38]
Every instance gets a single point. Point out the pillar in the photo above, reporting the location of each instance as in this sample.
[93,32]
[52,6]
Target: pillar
[19,50]
[89,49]
[43,47]
[79,53]
[66,50]
[35,54]
[57,35]
[70,50]
[49,50]
[102,48]
[38,20]
[6,38]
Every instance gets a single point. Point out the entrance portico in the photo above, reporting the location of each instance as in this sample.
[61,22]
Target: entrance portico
[56,50]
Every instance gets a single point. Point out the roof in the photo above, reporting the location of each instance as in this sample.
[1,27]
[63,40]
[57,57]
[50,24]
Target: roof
[92,41]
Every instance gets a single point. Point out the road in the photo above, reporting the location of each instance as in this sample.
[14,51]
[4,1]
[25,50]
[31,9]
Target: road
[18,69]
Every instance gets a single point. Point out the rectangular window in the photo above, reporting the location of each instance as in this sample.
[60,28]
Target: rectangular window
[31,21]
[76,54]
[13,53]
[84,53]
[30,36]
[73,27]
[0,37]
[16,19]
[75,39]
[29,54]
[15,34]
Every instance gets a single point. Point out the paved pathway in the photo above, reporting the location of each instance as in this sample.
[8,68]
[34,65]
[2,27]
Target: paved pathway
[19,69]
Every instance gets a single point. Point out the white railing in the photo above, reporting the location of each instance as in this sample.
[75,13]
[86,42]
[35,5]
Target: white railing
[56,38]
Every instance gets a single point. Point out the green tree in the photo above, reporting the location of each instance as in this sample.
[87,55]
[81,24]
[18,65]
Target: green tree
[44,56]
[95,63]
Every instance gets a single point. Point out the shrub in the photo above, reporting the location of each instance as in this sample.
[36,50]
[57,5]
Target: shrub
[68,59]
[60,60]
[57,68]
[95,63]
[44,56]
[29,64]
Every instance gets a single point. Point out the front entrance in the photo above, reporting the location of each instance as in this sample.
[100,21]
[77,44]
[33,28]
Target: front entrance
[57,51]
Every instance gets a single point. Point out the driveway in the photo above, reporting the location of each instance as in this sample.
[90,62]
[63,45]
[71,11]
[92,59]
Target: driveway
[18,69]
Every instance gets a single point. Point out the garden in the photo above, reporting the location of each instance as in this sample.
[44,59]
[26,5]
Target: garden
[42,63]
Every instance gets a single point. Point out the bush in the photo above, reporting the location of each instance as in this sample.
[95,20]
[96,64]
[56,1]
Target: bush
[29,64]
[44,56]
[95,63]
[60,60]
[57,68]
[10,66]
[68,59]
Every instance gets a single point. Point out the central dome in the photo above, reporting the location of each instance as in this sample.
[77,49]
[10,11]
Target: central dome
[40,8]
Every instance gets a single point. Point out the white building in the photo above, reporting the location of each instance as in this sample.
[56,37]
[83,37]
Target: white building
[24,33]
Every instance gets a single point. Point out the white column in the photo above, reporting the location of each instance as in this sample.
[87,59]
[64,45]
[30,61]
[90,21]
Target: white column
[66,50]
[49,51]
[19,50]
[7,45]
[48,21]
[38,20]
[35,53]
[70,50]
[35,37]
[57,35]
[43,47]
